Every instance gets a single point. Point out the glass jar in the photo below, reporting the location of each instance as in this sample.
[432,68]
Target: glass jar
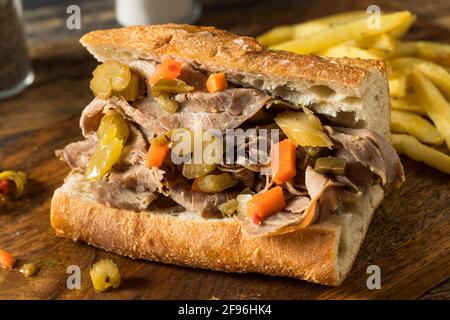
[15,66]
[142,12]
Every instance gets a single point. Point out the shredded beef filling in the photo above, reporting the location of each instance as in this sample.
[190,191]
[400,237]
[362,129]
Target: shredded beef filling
[311,196]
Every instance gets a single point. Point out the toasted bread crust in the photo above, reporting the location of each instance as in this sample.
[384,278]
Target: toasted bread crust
[210,244]
[222,50]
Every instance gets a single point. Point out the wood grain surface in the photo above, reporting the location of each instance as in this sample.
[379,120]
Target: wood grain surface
[409,237]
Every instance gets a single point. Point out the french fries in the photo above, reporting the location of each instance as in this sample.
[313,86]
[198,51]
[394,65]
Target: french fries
[384,42]
[418,71]
[397,85]
[317,25]
[285,33]
[436,107]
[436,52]
[336,34]
[402,49]
[405,122]
[439,75]
[411,147]
[409,103]
[277,35]
[348,51]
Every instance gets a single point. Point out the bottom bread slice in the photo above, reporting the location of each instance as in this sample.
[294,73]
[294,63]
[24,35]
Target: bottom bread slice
[322,253]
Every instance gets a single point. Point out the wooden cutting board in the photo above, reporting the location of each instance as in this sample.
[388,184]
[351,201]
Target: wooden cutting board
[409,238]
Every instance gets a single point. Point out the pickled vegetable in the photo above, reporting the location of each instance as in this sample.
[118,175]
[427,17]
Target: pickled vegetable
[313,120]
[156,155]
[192,171]
[168,69]
[28,269]
[214,183]
[163,139]
[265,204]
[330,165]
[229,208]
[132,91]
[166,103]
[243,200]
[309,155]
[114,78]
[170,86]
[303,129]
[112,136]
[19,179]
[6,260]
[283,159]
[105,275]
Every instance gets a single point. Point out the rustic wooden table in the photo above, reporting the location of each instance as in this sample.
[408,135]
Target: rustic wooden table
[409,237]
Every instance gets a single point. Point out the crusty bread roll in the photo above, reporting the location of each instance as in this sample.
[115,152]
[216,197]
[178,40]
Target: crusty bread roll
[352,92]
[322,253]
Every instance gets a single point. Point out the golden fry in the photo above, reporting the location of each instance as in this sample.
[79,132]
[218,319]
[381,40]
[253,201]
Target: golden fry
[402,49]
[411,147]
[277,35]
[434,51]
[398,85]
[289,32]
[384,42]
[409,103]
[405,122]
[353,30]
[434,103]
[439,75]
[351,52]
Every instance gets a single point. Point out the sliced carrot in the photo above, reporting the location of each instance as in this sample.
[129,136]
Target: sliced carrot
[6,260]
[168,69]
[265,204]
[5,187]
[156,154]
[195,187]
[283,161]
[216,82]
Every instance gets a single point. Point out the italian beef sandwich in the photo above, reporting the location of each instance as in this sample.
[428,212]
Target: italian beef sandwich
[205,149]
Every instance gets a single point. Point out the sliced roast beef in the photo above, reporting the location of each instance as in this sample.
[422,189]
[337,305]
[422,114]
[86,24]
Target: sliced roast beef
[193,77]
[135,150]
[323,197]
[203,203]
[115,195]
[395,175]
[93,113]
[372,151]
[221,110]
[298,204]
[91,116]
[130,187]
[138,177]
[78,154]
[144,67]
[241,174]
[276,224]
[347,190]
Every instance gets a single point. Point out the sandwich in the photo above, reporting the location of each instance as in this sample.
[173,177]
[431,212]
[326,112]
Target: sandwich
[205,149]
